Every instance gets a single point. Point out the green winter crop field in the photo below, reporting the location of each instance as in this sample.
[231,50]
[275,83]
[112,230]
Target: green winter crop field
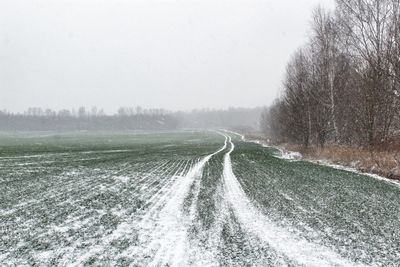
[200,198]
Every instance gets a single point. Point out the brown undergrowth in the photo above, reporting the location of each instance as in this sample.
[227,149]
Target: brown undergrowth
[383,160]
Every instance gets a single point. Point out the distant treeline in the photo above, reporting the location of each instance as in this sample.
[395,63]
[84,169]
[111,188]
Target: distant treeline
[127,118]
[343,85]
[104,122]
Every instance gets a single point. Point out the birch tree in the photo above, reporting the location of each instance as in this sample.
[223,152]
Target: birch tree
[325,42]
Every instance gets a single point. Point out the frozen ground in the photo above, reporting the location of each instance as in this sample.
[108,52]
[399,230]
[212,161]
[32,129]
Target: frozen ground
[186,198]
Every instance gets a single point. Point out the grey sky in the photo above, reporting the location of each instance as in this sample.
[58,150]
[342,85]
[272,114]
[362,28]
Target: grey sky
[171,54]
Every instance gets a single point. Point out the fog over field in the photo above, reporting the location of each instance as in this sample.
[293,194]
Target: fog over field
[176,55]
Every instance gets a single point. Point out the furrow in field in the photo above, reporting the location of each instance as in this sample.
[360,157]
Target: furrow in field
[126,229]
[86,186]
[126,215]
[155,201]
[69,185]
[259,226]
[152,172]
[153,184]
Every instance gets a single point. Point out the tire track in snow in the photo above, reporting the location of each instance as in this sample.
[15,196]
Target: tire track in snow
[255,223]
[163,236]
[201,252]
[212,247]
[228,245]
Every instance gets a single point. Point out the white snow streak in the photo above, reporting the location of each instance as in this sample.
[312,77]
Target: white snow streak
[164,229]
[257,224]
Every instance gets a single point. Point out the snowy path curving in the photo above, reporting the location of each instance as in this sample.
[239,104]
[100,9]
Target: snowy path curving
[204,199]
[164,237]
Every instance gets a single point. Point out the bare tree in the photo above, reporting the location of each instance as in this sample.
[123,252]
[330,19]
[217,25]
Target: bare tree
[344,84]
[366,26]
[297,98]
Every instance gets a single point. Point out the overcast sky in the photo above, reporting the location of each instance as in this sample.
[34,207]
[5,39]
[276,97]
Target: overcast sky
[170,54]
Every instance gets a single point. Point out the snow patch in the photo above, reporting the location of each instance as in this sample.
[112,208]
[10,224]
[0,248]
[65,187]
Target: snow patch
[123,179]
[289,155]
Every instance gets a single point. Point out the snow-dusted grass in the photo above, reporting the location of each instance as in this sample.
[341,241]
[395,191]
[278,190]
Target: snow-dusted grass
[186,199]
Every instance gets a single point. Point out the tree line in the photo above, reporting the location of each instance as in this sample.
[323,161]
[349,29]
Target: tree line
[343,85]
[38,119]
[127,118]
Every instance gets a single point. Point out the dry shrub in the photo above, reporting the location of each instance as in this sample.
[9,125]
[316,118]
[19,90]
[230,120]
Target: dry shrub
[378,161]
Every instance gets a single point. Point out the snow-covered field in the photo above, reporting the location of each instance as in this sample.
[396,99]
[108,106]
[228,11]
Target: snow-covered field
[186,199]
